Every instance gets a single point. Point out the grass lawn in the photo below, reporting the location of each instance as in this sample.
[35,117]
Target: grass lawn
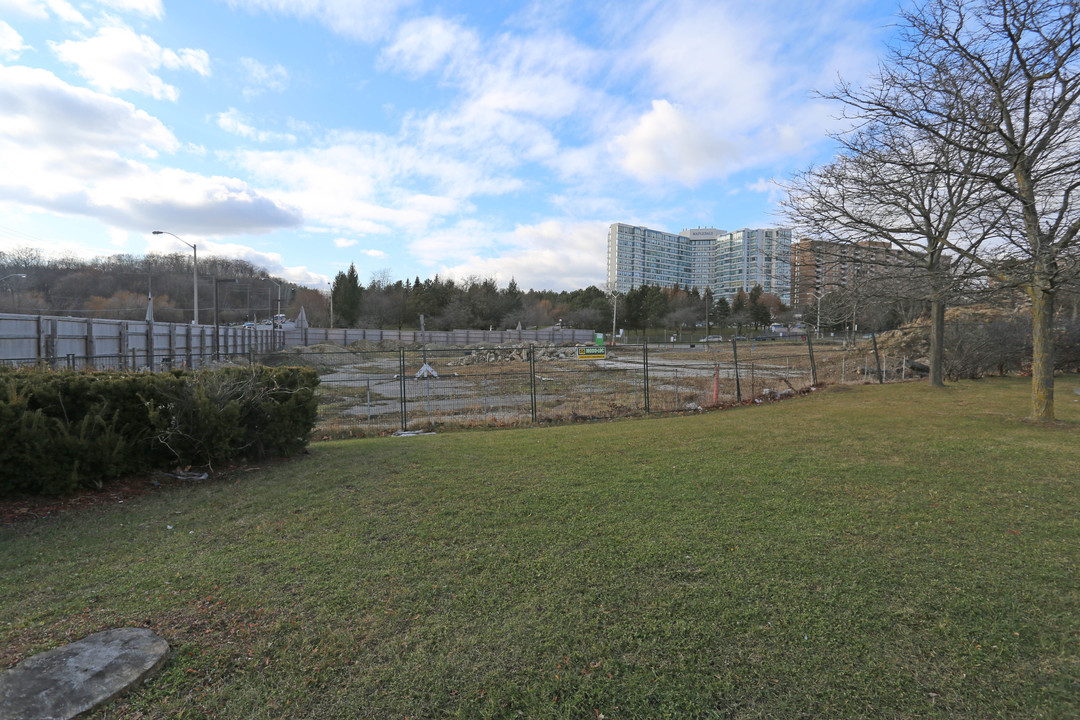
[878,551]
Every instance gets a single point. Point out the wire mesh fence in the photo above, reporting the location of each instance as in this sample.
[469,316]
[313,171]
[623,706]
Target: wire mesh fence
[376,392]
[372,392]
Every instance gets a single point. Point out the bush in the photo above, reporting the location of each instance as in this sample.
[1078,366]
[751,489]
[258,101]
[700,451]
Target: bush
[1003,345]
[235,413]
[65,430]
[1000,346]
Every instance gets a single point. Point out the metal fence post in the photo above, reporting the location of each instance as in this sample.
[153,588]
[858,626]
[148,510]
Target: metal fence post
[735,358]
[676,408]
[401,388]
[645,368]
[590,390]
[532,379]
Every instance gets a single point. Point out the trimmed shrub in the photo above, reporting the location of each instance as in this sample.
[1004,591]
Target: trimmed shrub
[65,430]
[238,413]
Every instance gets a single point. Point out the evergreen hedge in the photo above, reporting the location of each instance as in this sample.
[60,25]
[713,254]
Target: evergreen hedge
[63,430]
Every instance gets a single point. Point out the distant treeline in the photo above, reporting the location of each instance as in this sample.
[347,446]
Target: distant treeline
[118,287]
[480,303]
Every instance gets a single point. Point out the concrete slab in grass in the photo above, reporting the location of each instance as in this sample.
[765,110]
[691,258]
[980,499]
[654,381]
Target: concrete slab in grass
[67,681]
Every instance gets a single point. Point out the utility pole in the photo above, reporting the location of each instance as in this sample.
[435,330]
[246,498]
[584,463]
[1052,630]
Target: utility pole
[217,281]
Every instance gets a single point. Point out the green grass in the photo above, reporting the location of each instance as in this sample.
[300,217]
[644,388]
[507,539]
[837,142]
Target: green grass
[879,551]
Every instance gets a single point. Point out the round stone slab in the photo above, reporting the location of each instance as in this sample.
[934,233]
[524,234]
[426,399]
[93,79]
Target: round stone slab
[67,681]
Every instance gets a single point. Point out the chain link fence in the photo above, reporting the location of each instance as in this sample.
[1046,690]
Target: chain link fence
[374,388]
[374,392]
[366,392]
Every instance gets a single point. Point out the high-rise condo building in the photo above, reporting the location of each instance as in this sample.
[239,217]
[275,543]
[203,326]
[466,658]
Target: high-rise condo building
[721,261]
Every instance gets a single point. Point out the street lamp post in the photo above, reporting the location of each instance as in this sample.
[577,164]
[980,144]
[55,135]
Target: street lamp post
[708,307]
[194,272]
[817,295]
[612,293]
[278,294]
[331,304]
[614,312]
[13,275]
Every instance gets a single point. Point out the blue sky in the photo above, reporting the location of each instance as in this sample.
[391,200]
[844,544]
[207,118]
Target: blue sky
[469,139]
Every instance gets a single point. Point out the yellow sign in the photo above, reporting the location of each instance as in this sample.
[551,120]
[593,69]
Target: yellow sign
[592,353]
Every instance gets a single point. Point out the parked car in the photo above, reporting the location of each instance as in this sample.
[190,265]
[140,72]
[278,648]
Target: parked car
[761,338]
[712,338]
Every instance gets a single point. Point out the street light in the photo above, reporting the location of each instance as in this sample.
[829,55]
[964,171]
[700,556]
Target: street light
[614,312]
[13,275]
[708,306]
[331,285]
[278,296]
[817,295]
[194,270]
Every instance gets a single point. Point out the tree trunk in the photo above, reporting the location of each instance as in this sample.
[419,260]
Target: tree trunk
[1042,354]
[937,342]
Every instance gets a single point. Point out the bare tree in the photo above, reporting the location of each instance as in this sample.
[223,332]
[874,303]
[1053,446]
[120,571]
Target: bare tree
[1007,72]
[903,186]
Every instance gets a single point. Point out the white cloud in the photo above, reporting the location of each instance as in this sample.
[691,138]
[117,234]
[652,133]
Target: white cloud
[11,42]
[150,8]
[552,255]
[118,236]
[66,150]
[770,187]
[466,239]
[761,185]
[712,55]
[730,83]
[374,183]
[373,253]
[428,43]
[344,242]
[119,59]
[413,182]
[515,92]
[187,59]
[668,144]
[365,20]
[263,77]
[235,122]
[42,9]
[42,112]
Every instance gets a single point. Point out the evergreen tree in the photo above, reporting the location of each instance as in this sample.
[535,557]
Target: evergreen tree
[347,296]
[721,311]
[739,302]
